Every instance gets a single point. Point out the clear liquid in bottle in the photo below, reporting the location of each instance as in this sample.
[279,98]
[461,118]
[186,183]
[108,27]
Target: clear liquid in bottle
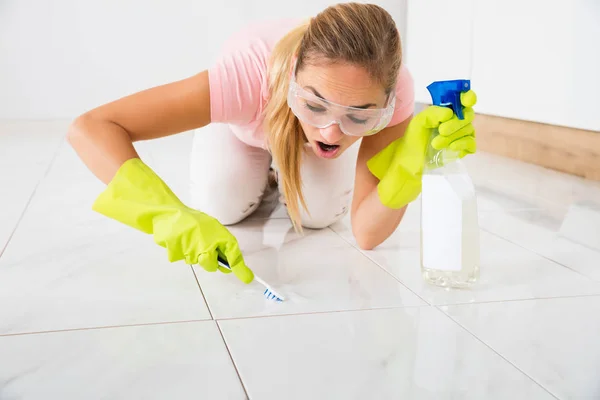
[449,222]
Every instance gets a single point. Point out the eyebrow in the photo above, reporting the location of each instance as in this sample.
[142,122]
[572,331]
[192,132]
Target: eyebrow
[316,93]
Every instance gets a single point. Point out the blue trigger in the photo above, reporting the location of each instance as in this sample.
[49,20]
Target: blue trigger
[457,105]
[447,94]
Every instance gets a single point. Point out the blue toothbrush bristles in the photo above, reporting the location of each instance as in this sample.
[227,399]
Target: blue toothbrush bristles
[268,293]
[271,296]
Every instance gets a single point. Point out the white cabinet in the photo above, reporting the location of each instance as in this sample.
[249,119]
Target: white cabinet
[533,60]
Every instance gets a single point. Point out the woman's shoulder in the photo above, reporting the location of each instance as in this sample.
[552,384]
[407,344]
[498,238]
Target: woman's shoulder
[238,78]
[405,96]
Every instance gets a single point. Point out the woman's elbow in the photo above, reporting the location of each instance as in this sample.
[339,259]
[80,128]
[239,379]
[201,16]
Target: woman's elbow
[76,130]
[365,241]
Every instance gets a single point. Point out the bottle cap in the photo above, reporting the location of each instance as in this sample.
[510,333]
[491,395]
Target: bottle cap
[447,94]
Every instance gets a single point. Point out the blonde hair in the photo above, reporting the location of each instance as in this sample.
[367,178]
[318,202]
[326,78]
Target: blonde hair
[356,33]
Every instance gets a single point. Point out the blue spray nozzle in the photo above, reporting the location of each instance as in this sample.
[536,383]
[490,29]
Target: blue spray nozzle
[447,94]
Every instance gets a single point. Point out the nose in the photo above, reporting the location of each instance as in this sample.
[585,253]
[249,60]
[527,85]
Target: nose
[332,134]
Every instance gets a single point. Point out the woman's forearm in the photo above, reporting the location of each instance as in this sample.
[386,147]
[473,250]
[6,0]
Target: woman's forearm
[373,223]
[103,137]
[102,145]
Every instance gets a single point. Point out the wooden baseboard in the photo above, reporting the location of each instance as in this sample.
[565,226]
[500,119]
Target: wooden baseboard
[569,150]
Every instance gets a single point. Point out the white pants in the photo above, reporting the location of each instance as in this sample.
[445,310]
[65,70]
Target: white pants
[229,178]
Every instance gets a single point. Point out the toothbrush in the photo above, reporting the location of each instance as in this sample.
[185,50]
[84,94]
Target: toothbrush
[269,293]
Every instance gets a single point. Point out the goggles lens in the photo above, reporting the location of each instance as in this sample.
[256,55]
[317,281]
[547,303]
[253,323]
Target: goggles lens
[320,113]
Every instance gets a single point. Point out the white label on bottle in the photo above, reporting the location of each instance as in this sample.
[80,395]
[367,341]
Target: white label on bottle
[441,224]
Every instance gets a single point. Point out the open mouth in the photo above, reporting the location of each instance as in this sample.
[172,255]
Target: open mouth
[328,148]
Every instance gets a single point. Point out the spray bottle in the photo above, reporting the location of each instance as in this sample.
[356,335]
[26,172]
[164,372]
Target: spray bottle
[449,223]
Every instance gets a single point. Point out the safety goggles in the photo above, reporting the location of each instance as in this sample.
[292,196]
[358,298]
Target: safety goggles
[320,113]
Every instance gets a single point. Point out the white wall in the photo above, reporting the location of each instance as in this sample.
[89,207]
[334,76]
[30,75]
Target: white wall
[60,58]
[535,60]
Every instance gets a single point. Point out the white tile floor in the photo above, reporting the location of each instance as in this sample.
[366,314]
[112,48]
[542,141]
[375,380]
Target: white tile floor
[91,309]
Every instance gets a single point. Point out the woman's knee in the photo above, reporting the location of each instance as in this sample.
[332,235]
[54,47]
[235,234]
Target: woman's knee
[224,199]
[323,218]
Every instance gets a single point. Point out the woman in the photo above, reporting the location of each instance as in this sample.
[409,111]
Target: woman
[327,103]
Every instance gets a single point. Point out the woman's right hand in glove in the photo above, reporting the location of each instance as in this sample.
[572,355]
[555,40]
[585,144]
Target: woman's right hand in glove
[137,197]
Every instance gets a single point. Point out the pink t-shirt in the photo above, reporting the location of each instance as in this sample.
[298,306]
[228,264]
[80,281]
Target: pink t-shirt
[239,81]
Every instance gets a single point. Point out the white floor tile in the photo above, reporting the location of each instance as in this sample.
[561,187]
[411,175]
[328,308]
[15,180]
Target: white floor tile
[69,267]
[566,205]
[517,178]
[407,235]
[411,353]
[316,272]
[171,361]
[26,150]
[508,272]
[544,233]
[555,341]
[580,224]
[489,198]
[493,197]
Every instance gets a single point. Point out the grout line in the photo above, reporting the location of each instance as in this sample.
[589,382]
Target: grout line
[322,312]
[221,333]
[204,320]
[508,190]
[496,352]
[587,246]
[574,296]
[537,253]
[202,293]
[33,192]
[516,196]
[285,315]
[380,266]
[402,307]
[104,327]
[232,360]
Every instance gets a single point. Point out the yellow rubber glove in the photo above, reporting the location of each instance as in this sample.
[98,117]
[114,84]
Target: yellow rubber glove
[399,166]
[137,197]
[459,134]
